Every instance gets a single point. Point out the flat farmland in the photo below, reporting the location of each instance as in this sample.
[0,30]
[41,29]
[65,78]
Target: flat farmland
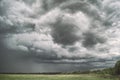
[55,77]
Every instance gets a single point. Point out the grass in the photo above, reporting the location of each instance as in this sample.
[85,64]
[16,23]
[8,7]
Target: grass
[55,77]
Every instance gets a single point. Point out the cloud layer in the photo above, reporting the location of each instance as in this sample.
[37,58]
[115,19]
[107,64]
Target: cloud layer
[62,31]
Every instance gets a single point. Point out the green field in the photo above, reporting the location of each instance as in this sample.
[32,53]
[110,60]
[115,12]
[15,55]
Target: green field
[55,77]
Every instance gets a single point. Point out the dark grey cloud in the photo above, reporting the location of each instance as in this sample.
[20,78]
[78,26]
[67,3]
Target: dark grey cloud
[86,7]
[9,60]
[64,33]
[91,39]
[97,3]
[16,28]
[49,4]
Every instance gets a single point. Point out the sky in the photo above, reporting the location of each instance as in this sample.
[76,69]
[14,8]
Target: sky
[58,35]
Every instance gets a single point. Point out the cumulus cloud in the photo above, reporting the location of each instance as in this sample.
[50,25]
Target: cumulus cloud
[62,31]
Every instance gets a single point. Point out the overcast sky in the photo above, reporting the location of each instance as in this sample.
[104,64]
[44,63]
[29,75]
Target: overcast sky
[58,35]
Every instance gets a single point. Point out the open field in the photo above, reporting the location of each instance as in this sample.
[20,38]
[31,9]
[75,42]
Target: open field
[55,77]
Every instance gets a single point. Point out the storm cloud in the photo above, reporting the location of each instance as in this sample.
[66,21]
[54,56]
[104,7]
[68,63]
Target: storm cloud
[58,33]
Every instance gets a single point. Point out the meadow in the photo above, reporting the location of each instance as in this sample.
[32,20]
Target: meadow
[55,77]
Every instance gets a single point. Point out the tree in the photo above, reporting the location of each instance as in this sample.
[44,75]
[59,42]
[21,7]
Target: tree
[117,68]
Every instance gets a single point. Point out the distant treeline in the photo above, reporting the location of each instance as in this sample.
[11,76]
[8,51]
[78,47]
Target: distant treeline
[112,71]
[32,73]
